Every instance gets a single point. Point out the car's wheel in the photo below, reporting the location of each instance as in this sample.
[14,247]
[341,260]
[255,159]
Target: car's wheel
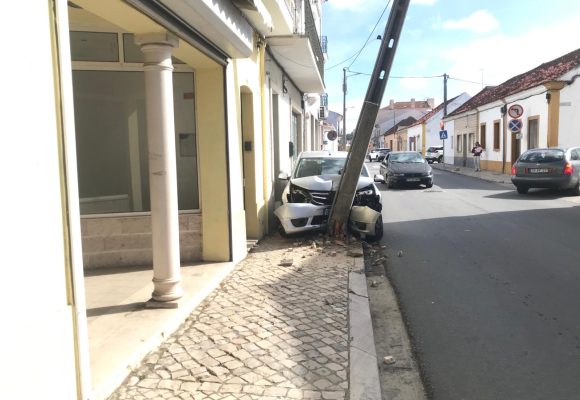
[522,189]
[440,159]
[370,159]
[430,161]
[576,189]
[429,185]
[378,230]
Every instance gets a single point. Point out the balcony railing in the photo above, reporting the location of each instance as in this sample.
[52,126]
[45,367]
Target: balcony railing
[312,33]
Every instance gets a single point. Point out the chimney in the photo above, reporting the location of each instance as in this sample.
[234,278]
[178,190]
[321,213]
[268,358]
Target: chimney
[431,102]
[391,104]
[412,102]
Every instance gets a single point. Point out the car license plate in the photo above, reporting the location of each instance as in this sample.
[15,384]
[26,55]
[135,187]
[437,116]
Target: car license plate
[539,170]
[413,179]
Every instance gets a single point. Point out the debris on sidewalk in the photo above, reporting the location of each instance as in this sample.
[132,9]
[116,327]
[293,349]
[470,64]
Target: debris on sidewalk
[354,253]
[388,360]
[400,253]
[287,262]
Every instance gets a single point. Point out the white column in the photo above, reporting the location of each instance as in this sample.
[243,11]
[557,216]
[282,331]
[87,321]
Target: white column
[162,164]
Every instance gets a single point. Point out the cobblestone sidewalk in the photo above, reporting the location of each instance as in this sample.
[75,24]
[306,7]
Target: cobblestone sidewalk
[271,331]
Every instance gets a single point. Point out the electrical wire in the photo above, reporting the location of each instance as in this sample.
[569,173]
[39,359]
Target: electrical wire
[364,45]
[371,34]
[465,80]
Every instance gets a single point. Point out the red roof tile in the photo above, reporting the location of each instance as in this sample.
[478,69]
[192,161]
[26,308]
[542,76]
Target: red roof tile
[549,71]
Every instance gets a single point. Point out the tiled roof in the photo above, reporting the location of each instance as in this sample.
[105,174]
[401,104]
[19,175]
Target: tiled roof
[549,71]
[403,123]
[433,112]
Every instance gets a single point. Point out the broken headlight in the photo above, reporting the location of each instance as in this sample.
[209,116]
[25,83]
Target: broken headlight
[298,195]
[366,191]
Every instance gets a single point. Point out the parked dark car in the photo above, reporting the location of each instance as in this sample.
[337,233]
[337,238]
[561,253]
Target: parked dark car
[556,168]
[406,168]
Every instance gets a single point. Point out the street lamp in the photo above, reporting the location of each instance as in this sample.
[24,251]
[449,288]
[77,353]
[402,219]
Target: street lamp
[344,90]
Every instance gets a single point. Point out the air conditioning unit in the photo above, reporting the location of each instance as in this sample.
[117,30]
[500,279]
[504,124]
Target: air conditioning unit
[322,112]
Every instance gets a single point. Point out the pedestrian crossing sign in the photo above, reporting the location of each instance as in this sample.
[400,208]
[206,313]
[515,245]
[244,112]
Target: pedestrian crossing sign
[443,135]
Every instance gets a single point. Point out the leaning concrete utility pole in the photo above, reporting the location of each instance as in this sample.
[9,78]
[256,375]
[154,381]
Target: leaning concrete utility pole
[356,156]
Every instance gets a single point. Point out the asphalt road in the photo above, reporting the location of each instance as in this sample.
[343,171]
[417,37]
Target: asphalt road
[489,286]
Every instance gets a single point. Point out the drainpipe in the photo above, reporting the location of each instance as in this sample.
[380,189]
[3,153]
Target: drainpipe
[503,110]
[265,174]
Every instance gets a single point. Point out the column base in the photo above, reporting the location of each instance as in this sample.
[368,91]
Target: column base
[166,290]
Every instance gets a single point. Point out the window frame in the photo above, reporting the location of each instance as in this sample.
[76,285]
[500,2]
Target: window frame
[535,118]
[497,135]
[483,134]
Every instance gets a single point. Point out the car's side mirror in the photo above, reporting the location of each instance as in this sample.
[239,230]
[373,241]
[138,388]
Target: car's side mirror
[379,178]
[283,176]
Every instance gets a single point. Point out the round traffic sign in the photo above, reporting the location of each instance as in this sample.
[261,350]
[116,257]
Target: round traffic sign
[515,125]
[332,135]
[515,111]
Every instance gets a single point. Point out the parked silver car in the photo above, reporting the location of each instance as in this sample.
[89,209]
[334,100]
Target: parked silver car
[308,196]
[557,168]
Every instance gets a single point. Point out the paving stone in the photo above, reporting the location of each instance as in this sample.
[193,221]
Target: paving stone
[266,333]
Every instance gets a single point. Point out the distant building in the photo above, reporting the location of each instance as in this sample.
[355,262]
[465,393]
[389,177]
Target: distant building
[397,111]
[396,137]
[542,100]
[425,132]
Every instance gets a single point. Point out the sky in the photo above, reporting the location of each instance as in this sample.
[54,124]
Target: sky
[475,42]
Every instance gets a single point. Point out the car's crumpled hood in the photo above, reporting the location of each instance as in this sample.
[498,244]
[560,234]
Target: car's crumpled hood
[409,167]
[327,182]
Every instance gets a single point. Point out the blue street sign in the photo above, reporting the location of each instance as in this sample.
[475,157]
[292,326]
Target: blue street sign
[515,125]
[442,135]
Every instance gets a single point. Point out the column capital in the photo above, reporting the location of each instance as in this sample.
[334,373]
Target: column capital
[157,38]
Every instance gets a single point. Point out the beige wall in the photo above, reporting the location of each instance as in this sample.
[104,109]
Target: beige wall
[213,163]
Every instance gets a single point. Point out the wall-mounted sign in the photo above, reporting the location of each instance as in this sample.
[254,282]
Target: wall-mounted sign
[515,125]
[515,111]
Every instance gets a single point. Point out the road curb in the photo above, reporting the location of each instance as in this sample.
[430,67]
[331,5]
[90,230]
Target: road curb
[483,175]
[364,382]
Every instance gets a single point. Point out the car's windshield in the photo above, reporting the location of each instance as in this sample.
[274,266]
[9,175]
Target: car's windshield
[322,166]
[542,156]
[406,158]
[432,149]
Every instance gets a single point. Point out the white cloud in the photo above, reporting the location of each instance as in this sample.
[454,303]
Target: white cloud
[500,57]
[480,21]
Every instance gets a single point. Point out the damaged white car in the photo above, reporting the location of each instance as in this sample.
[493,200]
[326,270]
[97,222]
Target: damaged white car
[308,196]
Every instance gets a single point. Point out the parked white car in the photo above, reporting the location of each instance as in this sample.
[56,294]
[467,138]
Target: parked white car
[434,153]
[308,196]
[378,154]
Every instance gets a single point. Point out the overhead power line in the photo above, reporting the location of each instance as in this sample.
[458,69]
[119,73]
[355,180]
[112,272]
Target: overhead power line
[356,54]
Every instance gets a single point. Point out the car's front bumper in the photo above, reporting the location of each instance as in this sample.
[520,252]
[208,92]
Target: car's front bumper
[302,217]
[406,180]
[363,220]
